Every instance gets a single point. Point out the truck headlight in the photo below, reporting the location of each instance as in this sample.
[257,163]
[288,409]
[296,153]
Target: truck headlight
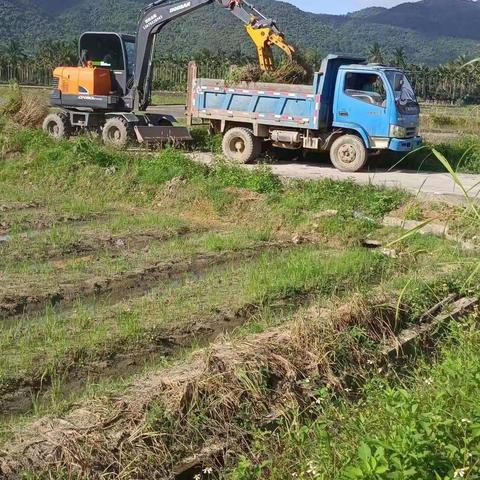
[396,131]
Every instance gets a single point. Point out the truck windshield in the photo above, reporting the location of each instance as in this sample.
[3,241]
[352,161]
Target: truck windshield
[404,94]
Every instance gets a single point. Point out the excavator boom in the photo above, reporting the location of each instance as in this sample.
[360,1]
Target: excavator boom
[262,30]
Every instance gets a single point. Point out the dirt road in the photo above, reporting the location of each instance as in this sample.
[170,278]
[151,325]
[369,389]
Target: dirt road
[425,184]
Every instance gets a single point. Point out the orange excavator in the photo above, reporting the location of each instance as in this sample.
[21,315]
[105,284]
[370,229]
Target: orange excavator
[111,88]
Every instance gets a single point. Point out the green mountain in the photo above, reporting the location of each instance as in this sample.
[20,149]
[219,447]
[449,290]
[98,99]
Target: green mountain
[431,31]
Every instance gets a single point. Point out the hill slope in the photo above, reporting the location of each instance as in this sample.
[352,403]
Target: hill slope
[428,30]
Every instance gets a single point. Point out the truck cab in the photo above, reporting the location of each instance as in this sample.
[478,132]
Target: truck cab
[379,104]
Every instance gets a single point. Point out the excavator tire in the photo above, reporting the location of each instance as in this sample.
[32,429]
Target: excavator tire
[241,146]
[116,132]
[57,126]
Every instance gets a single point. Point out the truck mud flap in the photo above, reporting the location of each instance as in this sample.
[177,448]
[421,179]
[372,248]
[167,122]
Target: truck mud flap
[150,134]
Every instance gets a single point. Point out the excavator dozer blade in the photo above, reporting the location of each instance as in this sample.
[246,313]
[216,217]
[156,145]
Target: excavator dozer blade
[148,134]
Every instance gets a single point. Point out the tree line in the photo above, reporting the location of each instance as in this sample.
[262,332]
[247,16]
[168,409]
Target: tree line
[457,81]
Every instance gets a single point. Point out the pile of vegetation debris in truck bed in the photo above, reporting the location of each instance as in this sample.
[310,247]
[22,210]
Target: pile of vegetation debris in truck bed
[288,71]
[160,318]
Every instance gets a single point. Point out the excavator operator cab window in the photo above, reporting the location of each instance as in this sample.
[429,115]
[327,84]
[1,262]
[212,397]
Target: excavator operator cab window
[103,49]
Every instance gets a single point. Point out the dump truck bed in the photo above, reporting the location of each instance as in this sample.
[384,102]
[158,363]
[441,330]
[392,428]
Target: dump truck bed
[265,103]
[269,104]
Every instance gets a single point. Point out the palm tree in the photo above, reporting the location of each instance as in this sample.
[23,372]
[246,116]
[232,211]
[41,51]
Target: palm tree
[51,54]
[400,58]
[15,53]
[375,53]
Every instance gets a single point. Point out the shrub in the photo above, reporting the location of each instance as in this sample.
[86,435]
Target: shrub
[260,180]
[32,111]
[12,101]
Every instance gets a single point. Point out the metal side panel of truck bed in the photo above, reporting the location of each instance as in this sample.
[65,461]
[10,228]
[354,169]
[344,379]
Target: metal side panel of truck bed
[271,104]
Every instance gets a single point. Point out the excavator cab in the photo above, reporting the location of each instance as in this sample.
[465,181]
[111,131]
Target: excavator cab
[102,78]
[111,51]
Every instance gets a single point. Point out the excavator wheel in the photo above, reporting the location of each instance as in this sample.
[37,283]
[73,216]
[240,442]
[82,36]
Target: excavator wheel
[240,145]
[57,125]
[116,133]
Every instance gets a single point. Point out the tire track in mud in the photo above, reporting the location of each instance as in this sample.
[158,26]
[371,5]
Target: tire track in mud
[19,396]
[128,284]
[20,206]
[36,225]
[113,433]
[116,245]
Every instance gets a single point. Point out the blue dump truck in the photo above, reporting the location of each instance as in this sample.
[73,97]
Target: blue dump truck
[353,110]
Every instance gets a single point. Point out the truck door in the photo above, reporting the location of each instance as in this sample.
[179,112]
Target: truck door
[362,101]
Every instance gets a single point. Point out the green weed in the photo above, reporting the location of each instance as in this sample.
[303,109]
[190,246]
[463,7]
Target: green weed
[205,142]
[426,426]
[260,180]
[168,165]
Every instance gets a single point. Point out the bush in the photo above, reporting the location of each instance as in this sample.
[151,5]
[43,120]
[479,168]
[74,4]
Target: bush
[12,101]
[205,142]
[32,111]
[260,180]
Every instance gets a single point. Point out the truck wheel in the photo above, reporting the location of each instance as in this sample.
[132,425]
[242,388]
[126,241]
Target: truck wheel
[57,126]
[116,132]
[348,153]
[240,145]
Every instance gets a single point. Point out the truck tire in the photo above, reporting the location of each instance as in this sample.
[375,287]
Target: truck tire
[116,132]
[348,153]
[240,145]
[57,126]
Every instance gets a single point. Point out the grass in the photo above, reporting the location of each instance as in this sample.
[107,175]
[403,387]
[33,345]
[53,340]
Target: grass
[437,419]
[463,154]
[158,98]
[95,331]
[434,434]
[132,211]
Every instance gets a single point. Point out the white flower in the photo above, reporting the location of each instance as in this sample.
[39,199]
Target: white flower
[370,362]
[208,470]
[466,420]
[429,381]
[312,468]
[461,472]
[197,477]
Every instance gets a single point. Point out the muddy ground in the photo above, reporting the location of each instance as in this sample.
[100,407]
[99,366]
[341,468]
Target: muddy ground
[145,335]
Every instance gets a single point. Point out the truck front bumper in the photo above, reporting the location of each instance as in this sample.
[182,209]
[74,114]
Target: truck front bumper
[405,144]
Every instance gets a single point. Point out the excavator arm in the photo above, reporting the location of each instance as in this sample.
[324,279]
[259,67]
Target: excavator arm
[264,34]
[264,38]
[262,30]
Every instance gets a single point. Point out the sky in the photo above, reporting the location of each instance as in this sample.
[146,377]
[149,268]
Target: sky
[341,6]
